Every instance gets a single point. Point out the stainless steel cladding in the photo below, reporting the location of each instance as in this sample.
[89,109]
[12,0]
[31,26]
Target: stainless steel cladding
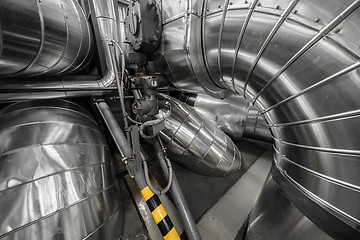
[298,62]
[197,144]
[234,116]
[56,177]
[43,37]
[280,218]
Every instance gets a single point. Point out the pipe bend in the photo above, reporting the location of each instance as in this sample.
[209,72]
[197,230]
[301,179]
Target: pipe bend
[298,64]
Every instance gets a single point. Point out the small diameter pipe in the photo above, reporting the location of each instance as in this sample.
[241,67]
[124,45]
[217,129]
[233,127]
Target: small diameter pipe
[152,200]
[120,88]
[119,137]
[177,195]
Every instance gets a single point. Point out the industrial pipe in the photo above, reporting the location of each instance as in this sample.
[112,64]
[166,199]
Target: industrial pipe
[177,195]
[297,61]
[196,143]
[104,15]
[57,180]
[234,115]
[152,200]
[43,38]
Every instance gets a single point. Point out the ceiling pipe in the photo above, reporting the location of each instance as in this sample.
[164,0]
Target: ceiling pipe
[104,17]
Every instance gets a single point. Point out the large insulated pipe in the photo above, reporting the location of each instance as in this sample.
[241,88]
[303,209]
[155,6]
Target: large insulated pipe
[233,115]
[57,180]
[297,61]
[198,144]
[46,37]
[106,33]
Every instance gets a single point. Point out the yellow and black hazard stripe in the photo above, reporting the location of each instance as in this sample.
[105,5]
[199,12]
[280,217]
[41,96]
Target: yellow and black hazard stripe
[160,215]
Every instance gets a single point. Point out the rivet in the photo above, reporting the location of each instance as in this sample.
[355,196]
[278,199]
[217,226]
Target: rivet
[295,11]
[337,30]
[317,20]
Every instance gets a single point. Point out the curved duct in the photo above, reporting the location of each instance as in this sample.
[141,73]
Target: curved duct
[43,37]
[298,63]
[56,177]
[232,114]
[197,144]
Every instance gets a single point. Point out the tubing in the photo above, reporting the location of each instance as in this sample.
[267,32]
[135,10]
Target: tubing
[177,195]
[152,200]
[298,63]
[120,139]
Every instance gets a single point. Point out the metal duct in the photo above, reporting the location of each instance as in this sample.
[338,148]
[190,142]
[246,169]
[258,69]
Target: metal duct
[43,37]
[106,33]
[234,116]
[56,177]
[197,144]
[298,63]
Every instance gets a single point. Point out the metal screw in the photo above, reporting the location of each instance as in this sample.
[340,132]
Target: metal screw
[295,11]
[337,30]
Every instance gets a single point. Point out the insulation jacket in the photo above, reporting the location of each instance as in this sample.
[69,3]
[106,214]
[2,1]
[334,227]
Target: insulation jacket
[56,177]
[47,37]
[198,144]
[297,61]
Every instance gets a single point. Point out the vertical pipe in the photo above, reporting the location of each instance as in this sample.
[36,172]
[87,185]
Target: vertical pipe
[178,197]
[158,211]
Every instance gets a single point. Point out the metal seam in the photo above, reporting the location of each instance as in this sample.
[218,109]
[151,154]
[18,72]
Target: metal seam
[49,144]
[52,122]
[222,24]
[233,160]
[65,46]
[322,33]
[334,117]
[51,107]
[55,173]
[320,149]
[56,212]
[76,7]
[239,41]
[103,223]
[325,177]
[42,39]
[316,85]
[316,199]
[207,151]
[275,29]
[192,140]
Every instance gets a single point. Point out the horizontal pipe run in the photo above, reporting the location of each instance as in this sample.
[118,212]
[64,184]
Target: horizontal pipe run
[107,34]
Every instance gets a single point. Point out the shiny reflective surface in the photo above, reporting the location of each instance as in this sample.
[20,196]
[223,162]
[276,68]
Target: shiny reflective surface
[234,116]
[43,37]
[275,217]
[298,62]
[56,177]
[198,144]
